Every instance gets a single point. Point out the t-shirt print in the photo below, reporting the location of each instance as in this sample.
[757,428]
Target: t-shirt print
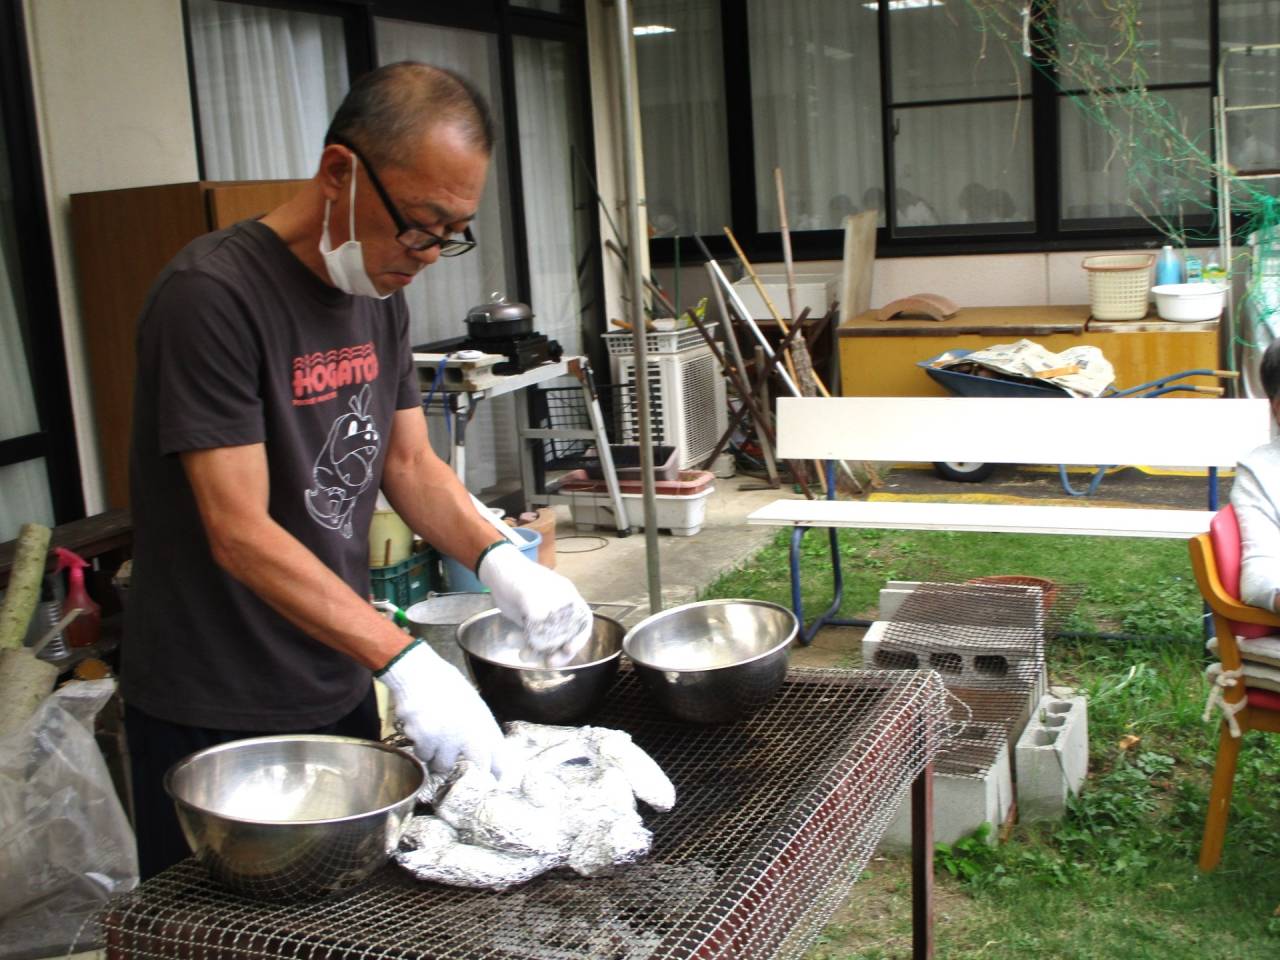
[344,467]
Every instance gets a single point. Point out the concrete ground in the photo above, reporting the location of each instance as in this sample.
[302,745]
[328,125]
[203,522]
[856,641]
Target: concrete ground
[609,569]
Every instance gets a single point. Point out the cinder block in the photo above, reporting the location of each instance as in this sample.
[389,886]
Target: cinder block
[961,804]
[1052,758]
[960,665]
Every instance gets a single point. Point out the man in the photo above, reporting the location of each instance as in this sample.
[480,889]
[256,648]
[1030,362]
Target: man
[276,395]
[1255,494]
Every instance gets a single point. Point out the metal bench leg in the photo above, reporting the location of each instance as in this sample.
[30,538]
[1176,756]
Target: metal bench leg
[828,616]
[922,864]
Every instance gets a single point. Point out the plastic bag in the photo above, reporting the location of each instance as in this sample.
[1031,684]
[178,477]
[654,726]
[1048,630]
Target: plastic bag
[65,843]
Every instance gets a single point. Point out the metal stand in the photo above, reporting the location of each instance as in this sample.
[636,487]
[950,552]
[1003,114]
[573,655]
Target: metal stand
[1221,110]
[595,433]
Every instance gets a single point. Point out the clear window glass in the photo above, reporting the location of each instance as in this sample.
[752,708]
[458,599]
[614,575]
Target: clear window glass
[1252,79]
[815,100]
[557,198]
[964,165]
[938,53]
[26,497]
[267,84]
[1167,42]
[682,116]
[1099,149]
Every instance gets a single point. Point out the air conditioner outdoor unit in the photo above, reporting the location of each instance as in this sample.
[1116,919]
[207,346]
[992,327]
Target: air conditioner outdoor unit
[687,404]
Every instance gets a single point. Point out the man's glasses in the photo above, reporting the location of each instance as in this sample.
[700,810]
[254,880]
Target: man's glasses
[411,235]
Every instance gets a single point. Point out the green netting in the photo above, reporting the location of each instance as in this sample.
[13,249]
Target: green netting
[1097,53]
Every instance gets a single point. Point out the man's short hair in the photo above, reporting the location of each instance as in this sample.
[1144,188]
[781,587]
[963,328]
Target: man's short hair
[1270,370]
[386,111]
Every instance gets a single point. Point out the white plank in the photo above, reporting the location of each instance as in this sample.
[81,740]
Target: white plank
[1161,432]
[985,518]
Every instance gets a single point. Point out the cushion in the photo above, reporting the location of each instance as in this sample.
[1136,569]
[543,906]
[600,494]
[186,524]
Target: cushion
[1262,699]
[1224,537]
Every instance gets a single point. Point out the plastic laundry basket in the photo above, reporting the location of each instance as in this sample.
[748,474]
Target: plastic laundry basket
[1119,285]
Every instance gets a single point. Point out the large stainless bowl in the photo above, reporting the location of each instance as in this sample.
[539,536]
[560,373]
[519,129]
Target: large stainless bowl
[294,817]
[517,689]
[713,661]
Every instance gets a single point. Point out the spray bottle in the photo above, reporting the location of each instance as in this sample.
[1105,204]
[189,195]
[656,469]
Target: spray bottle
[84,630]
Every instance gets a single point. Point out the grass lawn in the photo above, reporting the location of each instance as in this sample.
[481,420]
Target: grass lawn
[1117,877]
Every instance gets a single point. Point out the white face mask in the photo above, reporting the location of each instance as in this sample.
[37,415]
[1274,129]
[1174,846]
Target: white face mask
[346,264]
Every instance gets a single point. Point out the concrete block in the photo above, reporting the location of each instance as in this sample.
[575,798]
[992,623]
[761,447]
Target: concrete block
[1052,758]
[960,664]
[961,804]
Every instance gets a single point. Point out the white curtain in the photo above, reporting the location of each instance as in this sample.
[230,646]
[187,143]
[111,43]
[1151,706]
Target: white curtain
[25,485]
[680,74]
[440,298]
[548,131]
[815,101]
[267,84]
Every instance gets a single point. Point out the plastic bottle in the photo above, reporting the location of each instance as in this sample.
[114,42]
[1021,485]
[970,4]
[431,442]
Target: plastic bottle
[1168,266]
[1193,270]
[85,629]
[48,613]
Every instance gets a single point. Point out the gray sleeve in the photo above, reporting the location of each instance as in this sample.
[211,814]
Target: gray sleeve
[1252,494]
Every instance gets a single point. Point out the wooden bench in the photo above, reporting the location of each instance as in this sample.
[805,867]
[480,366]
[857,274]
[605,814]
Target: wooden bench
[1163,432]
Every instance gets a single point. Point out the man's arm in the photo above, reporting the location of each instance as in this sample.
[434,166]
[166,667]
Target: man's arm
[231,491]
[432,500]
[428,495]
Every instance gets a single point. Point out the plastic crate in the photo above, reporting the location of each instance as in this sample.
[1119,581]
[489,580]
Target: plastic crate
[689,483]
[559,408]
[626,462]
[660,341]
[407,582]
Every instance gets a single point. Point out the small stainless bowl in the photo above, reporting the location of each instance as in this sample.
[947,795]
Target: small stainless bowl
[294,817]
[517,689]
[713,661]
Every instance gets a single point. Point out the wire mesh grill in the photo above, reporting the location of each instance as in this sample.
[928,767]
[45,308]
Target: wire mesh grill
[776,817]
[987,642]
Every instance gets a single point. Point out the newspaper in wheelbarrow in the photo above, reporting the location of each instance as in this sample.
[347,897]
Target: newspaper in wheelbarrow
[1083,371]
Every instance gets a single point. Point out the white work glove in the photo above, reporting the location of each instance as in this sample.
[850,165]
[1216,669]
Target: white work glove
[442,714]
[556,620]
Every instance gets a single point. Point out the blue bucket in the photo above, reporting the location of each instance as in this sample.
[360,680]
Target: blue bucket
[460,579]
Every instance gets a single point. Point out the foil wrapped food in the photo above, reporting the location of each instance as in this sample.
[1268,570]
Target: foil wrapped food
[569,801]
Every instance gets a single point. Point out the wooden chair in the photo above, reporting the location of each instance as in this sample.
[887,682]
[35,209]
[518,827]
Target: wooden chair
[1215,558]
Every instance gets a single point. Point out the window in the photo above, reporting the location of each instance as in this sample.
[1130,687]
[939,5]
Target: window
[961,138]
[267,83]
[39,470]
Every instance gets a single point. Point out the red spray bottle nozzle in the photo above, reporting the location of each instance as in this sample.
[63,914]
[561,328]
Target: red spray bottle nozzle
[84,631]
[69,560]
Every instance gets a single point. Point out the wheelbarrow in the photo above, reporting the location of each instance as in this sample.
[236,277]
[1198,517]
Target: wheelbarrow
[963,384]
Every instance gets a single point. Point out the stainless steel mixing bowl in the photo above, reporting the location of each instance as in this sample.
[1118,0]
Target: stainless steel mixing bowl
[294,817]
[713,661]
[515,688]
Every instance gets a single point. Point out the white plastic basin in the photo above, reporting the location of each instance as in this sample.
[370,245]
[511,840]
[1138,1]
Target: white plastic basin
[1189,302]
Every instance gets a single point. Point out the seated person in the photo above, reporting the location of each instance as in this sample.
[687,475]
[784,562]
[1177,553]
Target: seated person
[1255,494]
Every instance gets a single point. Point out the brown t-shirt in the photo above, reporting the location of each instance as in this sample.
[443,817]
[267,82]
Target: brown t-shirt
[240,343]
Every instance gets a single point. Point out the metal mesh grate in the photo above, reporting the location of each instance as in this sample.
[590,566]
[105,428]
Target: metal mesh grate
[986,640]
[776,817]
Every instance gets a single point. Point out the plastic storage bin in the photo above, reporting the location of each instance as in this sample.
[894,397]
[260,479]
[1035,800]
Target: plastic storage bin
[686,483]
[682,515]
[460,579]
[626,462]
[660,341]
[404,583]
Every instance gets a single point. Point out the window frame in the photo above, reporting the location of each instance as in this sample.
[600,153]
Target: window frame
[55,441]
[1048,233]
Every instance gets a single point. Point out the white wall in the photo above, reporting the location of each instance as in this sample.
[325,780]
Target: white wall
[990,280]
[114,110]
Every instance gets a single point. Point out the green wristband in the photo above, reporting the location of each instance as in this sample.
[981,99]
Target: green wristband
[394,660]
[486,551]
